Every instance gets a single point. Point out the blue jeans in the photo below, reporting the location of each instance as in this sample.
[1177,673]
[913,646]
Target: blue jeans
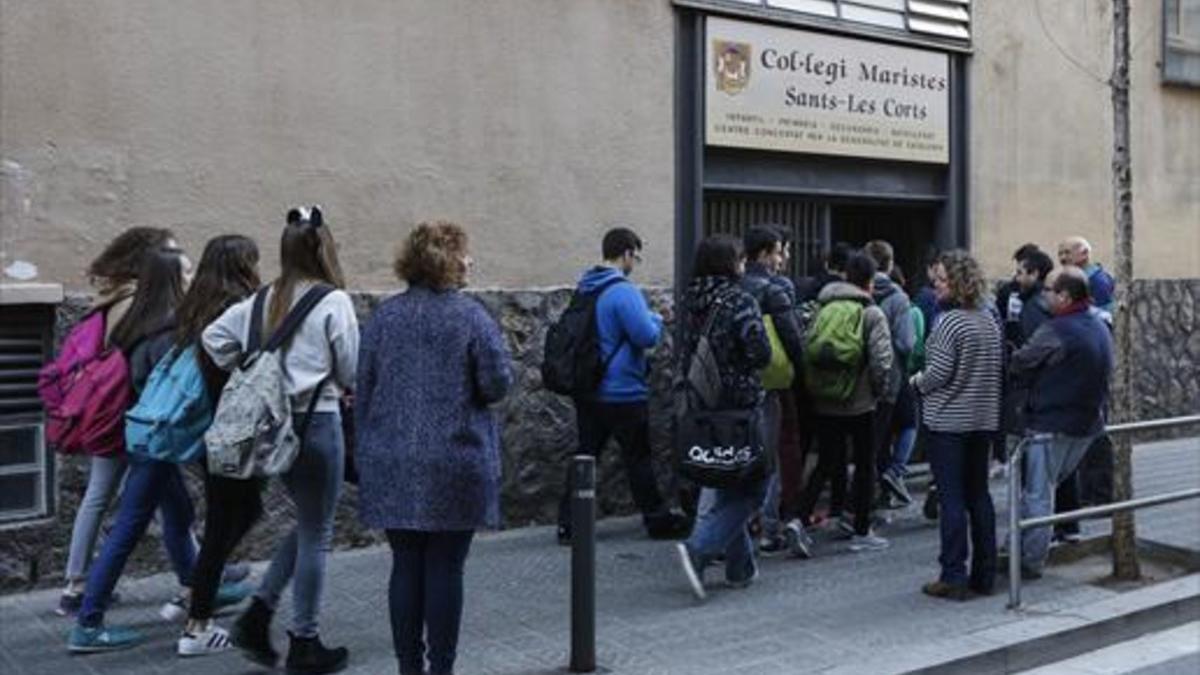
[960,467]
[902,450]
[773,421]
[425,597]
[721,529]
[104,481]
[1049,459]
[149,485]
[313,483]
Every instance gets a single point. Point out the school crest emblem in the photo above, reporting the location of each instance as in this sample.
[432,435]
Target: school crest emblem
[732,65]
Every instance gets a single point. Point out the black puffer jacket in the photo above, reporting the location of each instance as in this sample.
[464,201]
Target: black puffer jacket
[738,338]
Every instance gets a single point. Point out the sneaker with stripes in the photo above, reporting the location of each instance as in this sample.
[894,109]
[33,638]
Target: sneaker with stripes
[212,640]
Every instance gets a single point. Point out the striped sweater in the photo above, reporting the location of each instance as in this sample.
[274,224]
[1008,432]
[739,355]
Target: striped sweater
[961,383]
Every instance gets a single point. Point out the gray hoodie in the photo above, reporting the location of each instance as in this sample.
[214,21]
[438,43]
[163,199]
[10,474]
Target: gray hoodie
[895,305]
[873,379]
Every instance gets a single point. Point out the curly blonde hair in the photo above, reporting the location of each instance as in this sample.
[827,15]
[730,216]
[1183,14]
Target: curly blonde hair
[968,287]
[432,256]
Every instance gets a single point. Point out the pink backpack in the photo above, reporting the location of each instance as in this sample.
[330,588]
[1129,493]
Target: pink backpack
[86,391]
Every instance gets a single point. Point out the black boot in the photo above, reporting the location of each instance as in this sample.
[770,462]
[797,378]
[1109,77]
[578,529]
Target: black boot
[667,524]
[307,656]
[252,634]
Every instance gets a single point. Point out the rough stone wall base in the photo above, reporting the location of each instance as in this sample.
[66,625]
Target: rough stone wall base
[539,431]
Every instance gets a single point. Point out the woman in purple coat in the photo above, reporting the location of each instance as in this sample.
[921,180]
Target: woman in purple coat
[431,363]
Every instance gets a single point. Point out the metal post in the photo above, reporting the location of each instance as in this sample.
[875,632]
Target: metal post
[1014,526]
[583,564]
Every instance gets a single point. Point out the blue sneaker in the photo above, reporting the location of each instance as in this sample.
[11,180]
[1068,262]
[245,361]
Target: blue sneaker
[83,640]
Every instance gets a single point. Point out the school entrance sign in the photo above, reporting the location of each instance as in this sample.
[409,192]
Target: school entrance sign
[771,88]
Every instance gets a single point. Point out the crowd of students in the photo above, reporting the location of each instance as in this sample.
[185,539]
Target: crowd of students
[833,378]
[811,377]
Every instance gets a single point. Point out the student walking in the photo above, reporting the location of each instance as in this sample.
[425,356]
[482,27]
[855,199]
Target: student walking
[432,363]
[764,281]
[716,309]
[848,359]
[226,275]
[961,397]
[625,328]
[319,360]
[146,335]
[114,275]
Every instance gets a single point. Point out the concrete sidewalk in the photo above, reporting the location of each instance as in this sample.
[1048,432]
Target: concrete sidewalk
[801,616]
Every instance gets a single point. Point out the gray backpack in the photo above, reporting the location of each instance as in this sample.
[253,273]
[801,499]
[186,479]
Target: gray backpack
[252,432]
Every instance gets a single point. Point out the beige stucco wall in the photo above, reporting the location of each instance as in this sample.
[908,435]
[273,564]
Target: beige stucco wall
[1041,137]
[532,122]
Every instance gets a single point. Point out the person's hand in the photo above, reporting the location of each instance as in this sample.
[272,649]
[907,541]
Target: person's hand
[667,314]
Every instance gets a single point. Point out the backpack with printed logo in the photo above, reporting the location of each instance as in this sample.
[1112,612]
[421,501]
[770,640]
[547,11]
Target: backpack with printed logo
[85,392]
[834,351]
[572,364]
[168,421]
[252,432]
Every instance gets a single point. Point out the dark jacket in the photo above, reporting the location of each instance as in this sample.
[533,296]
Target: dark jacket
[1067,366]
[146,353]
[809,288]
[1034,312]
[776,298]
[738,338]
[430,365]
[627,328]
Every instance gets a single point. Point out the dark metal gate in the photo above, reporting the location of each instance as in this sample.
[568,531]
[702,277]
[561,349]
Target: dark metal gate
[807,221]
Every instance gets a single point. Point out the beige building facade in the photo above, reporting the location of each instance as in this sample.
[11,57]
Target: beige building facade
[537,124]
[534,123]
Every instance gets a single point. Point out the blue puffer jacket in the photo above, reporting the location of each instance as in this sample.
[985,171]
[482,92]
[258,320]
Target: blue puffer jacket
[627,329]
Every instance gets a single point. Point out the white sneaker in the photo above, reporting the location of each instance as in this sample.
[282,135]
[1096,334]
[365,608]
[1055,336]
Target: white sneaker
[868,542]
[689,570]
[176,609]
[201,643]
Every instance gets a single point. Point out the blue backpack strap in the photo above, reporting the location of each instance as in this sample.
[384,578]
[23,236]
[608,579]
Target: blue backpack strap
[620,342]
[254,340]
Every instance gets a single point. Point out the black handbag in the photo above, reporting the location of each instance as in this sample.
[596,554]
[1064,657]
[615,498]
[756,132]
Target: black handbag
[722,448]
[716,448]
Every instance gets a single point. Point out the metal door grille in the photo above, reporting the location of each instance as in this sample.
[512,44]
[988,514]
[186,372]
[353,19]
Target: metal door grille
[806,221]
[26,468]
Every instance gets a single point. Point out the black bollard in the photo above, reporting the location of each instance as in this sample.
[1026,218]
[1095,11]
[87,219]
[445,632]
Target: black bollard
[583,564]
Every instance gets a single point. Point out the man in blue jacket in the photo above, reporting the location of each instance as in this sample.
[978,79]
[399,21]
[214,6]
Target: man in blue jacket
[626,328]
[1067,365]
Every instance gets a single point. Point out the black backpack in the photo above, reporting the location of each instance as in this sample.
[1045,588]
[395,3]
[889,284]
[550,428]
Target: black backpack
[571,362]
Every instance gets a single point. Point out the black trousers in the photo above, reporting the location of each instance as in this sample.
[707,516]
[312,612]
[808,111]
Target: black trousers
[832,435]
[425,597]
[629,423]
[233,508]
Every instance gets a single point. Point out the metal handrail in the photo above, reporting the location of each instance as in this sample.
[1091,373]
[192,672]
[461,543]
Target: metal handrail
[1016,525]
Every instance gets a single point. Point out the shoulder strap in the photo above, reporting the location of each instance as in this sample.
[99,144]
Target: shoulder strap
[296,316]
[254,341]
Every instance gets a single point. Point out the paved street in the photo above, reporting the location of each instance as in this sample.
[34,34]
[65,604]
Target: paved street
[802,616]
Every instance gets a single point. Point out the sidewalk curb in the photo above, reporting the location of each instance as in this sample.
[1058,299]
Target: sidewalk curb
[1041,639]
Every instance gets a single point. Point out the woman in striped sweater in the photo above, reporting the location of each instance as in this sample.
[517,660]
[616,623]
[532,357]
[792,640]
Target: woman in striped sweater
[961,393]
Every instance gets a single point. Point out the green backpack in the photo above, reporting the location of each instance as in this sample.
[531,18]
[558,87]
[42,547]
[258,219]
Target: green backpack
[834,351]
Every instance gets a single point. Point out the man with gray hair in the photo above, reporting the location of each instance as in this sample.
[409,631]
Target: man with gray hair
[1067,365]
[1076,251]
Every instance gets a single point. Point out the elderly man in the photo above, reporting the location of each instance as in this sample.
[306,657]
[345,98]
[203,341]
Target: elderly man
[1067,364]
[1077,251]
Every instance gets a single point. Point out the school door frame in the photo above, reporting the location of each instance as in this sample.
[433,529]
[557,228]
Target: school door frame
[706,173]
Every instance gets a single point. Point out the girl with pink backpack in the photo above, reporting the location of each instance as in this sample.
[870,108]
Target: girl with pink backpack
[114,275]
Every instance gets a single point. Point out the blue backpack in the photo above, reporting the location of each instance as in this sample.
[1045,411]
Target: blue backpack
[169,420]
